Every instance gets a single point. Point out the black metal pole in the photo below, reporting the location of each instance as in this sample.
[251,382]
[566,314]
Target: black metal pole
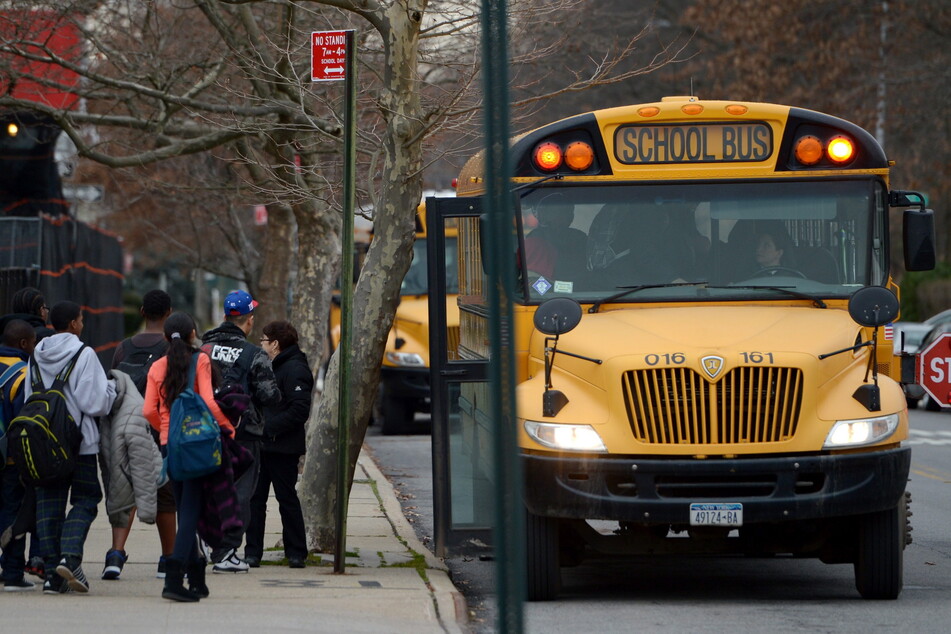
[509,531]
[346,308]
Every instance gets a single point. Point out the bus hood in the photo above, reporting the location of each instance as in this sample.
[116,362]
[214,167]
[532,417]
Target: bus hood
[710,341]
[643,331]
[666,364]
[408,340]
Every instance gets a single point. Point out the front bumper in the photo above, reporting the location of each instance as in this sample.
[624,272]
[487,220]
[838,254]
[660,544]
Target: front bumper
[405,382]
[774,489]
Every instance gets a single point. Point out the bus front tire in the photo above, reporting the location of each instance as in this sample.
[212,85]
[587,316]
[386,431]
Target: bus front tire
[398,414]
[542,569]
[879,560]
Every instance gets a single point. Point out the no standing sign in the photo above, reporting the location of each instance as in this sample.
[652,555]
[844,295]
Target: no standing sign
[328,55]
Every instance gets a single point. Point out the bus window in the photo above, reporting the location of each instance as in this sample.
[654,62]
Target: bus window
[664,234]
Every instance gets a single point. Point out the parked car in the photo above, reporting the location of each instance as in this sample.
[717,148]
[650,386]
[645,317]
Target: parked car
[913,333]
[943,317]
[907,338]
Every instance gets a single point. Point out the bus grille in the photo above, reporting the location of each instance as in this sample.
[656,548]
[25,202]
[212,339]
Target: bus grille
[670,406]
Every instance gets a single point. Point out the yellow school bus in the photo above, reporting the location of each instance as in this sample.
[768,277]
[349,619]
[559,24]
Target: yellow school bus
[701,338]
[404,376]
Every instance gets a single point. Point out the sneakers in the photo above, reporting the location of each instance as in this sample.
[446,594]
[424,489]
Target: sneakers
[160,573]
[252,561]
[230,563]
[36,567]
[115,559]
[296,562]
[56,585]
[70,570]
[18,586]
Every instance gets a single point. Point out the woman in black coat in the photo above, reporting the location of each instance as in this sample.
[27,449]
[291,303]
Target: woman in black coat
[282,446]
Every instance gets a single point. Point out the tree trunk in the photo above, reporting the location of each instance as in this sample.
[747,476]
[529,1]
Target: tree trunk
[274,277]
[377,292]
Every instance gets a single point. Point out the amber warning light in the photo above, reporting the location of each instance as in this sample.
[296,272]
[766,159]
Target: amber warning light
[809,150]
[841,150]
[549,156]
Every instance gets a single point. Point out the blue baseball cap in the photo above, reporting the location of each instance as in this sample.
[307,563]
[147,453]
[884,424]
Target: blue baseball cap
[239,303]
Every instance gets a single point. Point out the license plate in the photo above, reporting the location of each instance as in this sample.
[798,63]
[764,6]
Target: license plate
[716,514]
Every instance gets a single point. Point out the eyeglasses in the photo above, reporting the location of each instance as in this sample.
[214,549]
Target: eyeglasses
[44,307]
[265,340]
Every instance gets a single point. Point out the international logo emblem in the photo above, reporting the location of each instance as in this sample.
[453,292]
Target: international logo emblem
[712,365]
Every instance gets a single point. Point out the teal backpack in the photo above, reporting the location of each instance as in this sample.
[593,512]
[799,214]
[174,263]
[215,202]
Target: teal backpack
[194,438]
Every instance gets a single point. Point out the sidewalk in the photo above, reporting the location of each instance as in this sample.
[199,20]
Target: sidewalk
[392,584]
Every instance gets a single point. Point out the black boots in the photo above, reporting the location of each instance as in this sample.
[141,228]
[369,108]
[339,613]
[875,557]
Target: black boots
[196,578]
[174,587]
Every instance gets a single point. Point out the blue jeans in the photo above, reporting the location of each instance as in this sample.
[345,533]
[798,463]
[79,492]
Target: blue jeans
[11,495]
[61,533]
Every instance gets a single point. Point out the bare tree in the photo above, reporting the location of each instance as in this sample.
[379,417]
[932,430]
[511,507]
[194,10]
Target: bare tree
[163,80]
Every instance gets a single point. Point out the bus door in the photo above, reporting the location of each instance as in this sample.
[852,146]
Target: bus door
[462,468]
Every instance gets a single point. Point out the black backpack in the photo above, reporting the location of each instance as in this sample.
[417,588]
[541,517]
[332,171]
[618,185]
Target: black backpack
[43,440]
[137,360]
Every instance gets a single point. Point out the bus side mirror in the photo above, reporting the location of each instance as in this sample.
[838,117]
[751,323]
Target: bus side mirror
[919,239]
[553,318]
[873,307]
[917,230]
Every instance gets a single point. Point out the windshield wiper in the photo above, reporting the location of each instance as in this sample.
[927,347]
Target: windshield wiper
[628,290]
[535,184]
[818,303]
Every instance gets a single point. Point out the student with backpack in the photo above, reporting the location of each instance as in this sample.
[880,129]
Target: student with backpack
[242,362]
[168,379]
[19,338]
[134,356]
[88,394]
[29,304]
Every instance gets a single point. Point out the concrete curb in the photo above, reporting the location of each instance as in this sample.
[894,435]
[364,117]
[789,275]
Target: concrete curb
[394,512]
[450,603]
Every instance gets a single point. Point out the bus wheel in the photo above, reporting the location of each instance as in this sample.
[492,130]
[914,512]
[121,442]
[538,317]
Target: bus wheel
[398,414]
[879,560]
[543,573]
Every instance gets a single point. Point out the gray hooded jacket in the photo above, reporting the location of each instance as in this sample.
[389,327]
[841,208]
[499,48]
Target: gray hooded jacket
[130,460]
[88,392]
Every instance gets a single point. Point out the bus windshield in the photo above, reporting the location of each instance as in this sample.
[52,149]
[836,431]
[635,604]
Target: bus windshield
[824,238]
[415,282]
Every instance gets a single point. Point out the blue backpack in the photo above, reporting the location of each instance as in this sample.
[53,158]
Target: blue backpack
[194,438]
[7,387]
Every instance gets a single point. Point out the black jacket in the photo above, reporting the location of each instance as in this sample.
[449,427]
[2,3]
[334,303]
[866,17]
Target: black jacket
[42,330]
[285,423]
[225,344]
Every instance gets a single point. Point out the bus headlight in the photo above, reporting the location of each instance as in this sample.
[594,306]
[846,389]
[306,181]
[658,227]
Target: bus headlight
[565,437]
[410,359]
[861,431]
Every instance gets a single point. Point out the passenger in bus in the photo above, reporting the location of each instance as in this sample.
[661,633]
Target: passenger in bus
[626,248]
[774,249]
[757,248]
[554,249]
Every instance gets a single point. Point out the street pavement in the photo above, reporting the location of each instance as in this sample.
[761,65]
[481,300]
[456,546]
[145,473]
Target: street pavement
[391,583]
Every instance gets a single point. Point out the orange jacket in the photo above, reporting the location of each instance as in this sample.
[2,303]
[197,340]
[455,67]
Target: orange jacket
[158,413]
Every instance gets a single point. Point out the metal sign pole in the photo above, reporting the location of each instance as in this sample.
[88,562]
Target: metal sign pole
[509,531]
[346,305]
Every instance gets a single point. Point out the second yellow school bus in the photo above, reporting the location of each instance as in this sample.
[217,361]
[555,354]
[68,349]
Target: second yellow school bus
[701,336]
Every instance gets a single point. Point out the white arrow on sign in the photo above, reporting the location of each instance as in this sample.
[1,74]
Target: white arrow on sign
[338,69]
